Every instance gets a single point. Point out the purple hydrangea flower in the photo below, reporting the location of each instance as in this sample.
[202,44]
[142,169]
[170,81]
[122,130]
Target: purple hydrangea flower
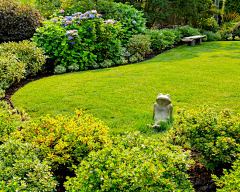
[70,38]
[69,22]
[89,29]
[74,14]
[82,17]
[54,20]
[94,11]
[99,15]
[61,11]
[134,22]
[63,25]
[91,16]
[74,34]
[72,42]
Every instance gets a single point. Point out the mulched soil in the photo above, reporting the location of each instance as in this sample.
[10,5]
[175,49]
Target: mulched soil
[199,175]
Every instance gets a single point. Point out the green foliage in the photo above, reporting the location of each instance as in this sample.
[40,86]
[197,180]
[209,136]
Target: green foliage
[65,141]
[11,70]
[161,39]
[216,136]
[232,6]
[187,31]
[79,39]
[139,46]
[73,67]
[18,22]
[21,169]
[230,181]
[209,24]
[26,52]
[107,63]
[132,163]
[211,36]
[2,93]
[131,19]
[59,69]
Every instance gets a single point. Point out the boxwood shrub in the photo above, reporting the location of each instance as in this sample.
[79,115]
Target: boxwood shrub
[21,169]
[215,135]
[133,163]
[65,141]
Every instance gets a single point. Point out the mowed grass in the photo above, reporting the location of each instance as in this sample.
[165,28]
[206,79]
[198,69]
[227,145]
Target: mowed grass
[123,97]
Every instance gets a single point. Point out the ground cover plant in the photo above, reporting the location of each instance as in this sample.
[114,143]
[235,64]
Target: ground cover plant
[123,97]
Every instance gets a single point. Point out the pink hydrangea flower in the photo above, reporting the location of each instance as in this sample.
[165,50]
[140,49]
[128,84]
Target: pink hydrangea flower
[61,11]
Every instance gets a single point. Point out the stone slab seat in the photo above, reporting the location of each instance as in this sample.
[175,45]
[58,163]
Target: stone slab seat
[194,40]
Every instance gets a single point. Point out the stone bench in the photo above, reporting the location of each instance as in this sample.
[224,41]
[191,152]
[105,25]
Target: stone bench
[194,40]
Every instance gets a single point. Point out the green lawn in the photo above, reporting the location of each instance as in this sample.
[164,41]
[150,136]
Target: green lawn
[123,97]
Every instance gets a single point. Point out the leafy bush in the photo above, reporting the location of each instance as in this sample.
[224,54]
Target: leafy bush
[187,31]
[2,93]
[79,39]
[73,67]
[10,120]
[11,70]
[131,19]
[211,36]
[139,46]
[230,181]
[26,52]
[161,39]
[132,163]
[21,170]
[60,69]
[18,22]
[65,141]
[209,24]
[107,63]
[216,136]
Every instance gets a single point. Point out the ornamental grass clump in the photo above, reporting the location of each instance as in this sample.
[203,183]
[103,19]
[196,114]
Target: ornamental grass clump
[215,135]
[65,141]
[22,170]
[132,163]
[80,39]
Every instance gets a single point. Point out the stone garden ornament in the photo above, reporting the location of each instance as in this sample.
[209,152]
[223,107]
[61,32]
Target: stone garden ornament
[162,111]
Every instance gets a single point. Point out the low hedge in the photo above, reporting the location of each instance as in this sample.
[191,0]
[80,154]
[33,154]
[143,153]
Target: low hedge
[132,163]
[65,141]
[21,169]
[215,135]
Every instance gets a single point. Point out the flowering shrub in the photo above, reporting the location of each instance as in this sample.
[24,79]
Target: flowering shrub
[131,19]
[18,22]
[216,136]
[21,169]
[79,39]
[65,141]
[132,163]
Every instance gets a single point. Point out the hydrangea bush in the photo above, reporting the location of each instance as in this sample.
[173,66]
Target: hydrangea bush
[133,163]
[79,39]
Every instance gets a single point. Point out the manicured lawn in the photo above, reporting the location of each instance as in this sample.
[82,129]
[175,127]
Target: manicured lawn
[123,97]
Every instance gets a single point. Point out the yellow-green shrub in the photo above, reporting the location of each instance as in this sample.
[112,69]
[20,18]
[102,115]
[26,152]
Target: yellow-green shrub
[215,135]
[10,120]
[21,169]
[133,163]
[230,181]
[26,52]
[63,140]
[11,70]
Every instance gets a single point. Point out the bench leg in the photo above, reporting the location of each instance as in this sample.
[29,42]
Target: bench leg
[198,41]
[191,43]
